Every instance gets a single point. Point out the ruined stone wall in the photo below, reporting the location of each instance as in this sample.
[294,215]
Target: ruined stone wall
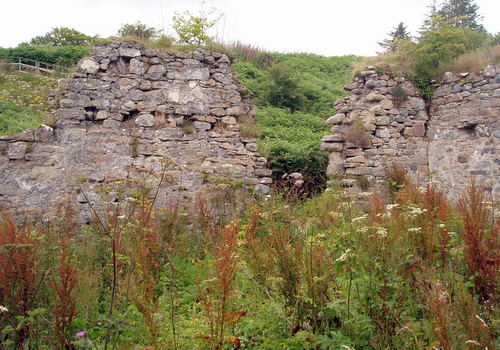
[385,122]
[464,131]
[118,118]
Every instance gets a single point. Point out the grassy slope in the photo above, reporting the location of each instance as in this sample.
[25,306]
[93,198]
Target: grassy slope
[291,140]
[23,100]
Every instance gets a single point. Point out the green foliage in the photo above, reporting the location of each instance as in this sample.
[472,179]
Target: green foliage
[23,101]
[283,91]
[295,95]
[425,85]
[138,31]
[324,273]
[63,36]
[253,78]
[462,13]
[14,119]
[442,44]
[451,38]
[292,143]
[399,33]
[399,95]
[320,79]
[61,55]
[192,28]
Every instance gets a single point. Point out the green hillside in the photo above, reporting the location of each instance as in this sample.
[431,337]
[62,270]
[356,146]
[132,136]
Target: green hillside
[294,95]
[24,100]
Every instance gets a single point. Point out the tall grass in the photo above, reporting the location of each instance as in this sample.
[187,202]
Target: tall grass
[328,272]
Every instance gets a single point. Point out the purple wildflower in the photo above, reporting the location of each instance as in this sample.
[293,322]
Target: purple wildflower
[81,334]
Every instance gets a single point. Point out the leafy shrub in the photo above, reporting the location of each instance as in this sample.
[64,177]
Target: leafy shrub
[291,143]
[425,85]
[63,36]
[253,78]
[304,83]
[61,55]
[442,44]
[192,29]
[440,48]
[138,31]
[283,91]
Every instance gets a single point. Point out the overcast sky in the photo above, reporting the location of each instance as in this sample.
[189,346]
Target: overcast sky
[327,27]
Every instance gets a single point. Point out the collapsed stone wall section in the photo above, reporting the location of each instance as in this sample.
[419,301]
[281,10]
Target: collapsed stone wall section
[119,115]
[450,138]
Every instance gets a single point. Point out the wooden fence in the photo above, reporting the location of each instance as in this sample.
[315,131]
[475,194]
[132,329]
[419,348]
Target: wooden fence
[29,66]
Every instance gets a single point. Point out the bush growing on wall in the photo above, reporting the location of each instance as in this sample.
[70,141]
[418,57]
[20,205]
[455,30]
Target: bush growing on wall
[192,28]
[139,31]
[442,43]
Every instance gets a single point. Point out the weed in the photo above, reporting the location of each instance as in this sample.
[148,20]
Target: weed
[134,144]
[250,130]
[363,182]
[397,177]
[218,292]
[20,274]
[357,135]
[64,287]
[481,241]
[187,128]
[399,95]
[439,301]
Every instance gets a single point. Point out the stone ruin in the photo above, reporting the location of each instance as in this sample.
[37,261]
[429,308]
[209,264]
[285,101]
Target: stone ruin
[386,122]
[130,115]
[119,116]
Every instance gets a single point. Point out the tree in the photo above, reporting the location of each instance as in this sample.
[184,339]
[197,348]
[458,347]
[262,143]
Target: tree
[399,33]
[462,13]
[139,31]
[63,36]
[440,43]
[192,29]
